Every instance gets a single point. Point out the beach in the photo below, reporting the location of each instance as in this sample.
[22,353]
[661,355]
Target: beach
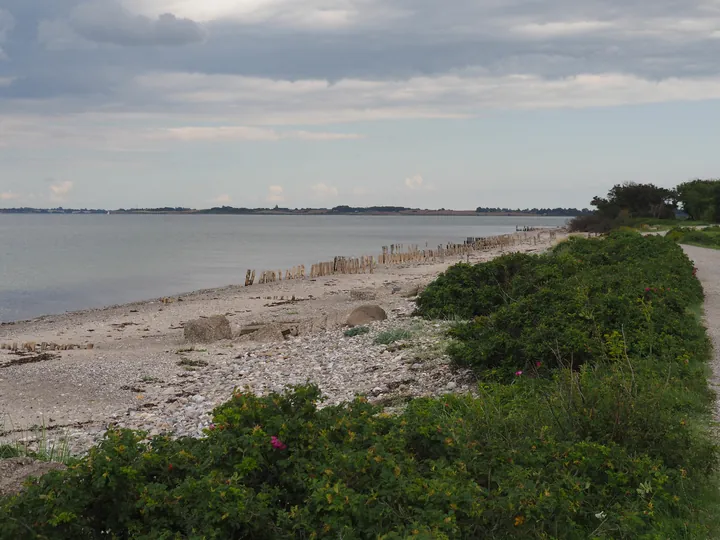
[131,366]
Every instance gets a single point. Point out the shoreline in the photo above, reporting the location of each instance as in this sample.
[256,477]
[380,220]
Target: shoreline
[219,289]
[141,374]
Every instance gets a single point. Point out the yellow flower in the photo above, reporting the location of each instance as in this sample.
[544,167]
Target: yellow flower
[519,520]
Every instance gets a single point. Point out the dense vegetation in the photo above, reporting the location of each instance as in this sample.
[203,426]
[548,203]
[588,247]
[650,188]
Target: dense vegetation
[706,237]
[630,203]
[701,199]
[591,422]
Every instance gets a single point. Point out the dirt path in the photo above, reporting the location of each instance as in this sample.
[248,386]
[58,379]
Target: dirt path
[707,262]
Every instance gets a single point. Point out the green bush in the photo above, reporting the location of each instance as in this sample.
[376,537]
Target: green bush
[707,237]
[357,331]
[559,309]
[505,465]
[391,336]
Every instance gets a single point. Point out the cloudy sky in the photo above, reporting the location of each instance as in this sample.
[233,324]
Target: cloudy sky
[457,104]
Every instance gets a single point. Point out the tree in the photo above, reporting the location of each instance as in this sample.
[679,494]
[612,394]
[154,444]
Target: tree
[637,200]
[700,199]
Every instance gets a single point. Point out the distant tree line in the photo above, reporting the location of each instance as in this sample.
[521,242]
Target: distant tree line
[162,210]
[28,210]
[539,211]
[698,199]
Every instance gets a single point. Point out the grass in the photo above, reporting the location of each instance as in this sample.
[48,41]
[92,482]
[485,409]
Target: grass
[49,450]
[707,238]
[391,336]
[357,331]
[661,224]
[187,362]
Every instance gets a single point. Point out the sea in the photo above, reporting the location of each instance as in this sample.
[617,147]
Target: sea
[54,263]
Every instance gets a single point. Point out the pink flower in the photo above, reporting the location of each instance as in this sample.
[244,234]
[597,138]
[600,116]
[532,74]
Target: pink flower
[518,373]
[647,289]
[277,444]
[538,364]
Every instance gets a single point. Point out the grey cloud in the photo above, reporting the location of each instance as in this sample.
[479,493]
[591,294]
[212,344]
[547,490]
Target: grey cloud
[387,40]
[105,22]
[7,23]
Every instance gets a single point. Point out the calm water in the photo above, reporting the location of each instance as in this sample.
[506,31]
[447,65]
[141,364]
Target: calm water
[56,263]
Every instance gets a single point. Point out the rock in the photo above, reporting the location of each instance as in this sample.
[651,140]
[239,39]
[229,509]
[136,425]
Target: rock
[14,472]
[208,330]
[250,329]
[363,294]
[366,314]
[268,334]
[452,385]
[411,291]
[377,391]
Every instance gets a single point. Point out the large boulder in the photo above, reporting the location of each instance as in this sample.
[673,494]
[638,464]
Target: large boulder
[366,314]
[208,330]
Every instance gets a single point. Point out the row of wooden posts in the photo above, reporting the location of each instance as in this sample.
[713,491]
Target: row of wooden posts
[32,346]
[397,254]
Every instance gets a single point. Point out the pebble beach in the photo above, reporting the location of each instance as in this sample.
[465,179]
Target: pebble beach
[130,366]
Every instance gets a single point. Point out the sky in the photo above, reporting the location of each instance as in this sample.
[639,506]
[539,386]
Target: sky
[316,103]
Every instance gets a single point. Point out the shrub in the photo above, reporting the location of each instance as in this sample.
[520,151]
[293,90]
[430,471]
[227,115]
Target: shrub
[708,237]
[357,331]
[504,465]
[593,223]
[559,309]
[391,336]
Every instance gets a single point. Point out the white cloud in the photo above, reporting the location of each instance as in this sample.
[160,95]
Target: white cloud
[60,190]
[414,182]
[222,199]
[564,28]
[460,94]
[323,191]
[275,194]
[245,133]
[417,183]
[305,14]
[9,196]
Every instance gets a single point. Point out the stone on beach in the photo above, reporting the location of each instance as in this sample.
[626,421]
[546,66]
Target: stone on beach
[208,330]
[366,314]
[363,294]
[411,291]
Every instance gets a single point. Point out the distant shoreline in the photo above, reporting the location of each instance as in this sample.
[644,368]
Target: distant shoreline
[448,213]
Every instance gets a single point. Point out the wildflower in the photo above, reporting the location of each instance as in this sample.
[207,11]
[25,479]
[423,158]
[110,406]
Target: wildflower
[518,373]
[170,467]
[538,364]
[277,444]
[647,289]
[600,515]
[519,520]
[211,427]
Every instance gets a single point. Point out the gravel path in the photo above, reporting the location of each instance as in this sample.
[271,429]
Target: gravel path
[707,262]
